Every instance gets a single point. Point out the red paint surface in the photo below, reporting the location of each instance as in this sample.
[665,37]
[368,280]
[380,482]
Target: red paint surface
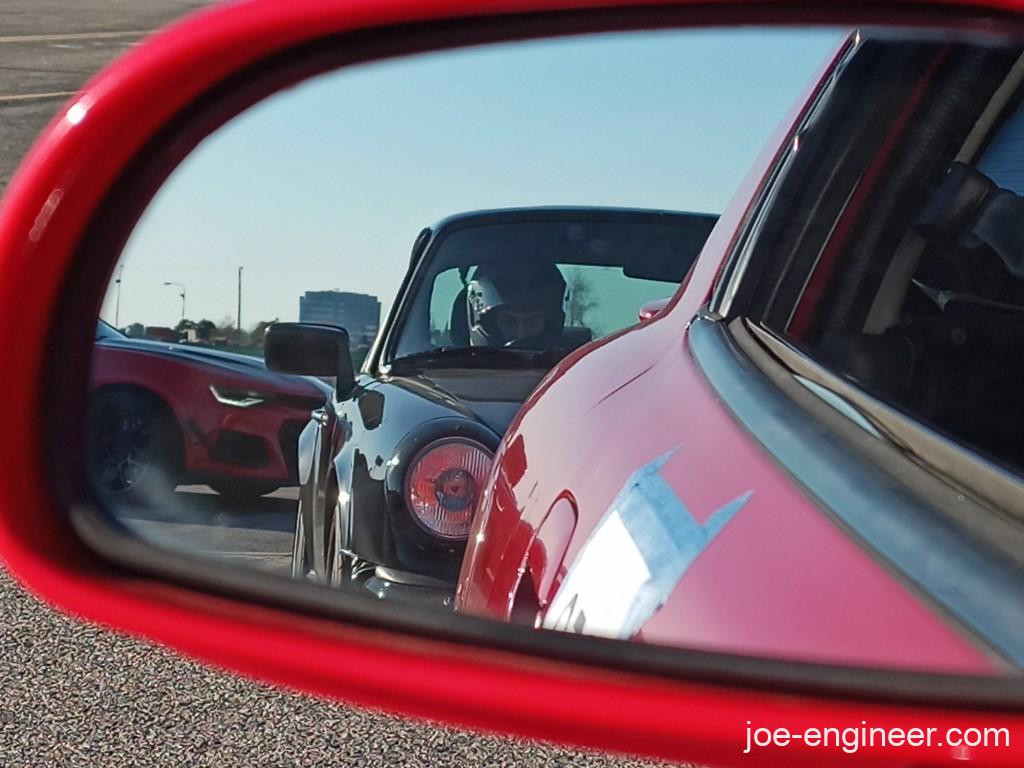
[44,214]
[780,580]
[547,550]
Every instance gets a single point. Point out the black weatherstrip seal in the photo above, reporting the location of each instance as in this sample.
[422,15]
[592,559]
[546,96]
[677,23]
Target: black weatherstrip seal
[984,593]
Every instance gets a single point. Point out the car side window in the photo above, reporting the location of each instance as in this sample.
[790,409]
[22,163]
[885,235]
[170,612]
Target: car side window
[601,300]
[1003,159]
[446,303]
[598,301]
[905,274]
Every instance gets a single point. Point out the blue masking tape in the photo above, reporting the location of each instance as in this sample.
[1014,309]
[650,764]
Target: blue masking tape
[665,533]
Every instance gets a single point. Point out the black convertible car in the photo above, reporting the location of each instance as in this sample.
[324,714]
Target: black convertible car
[389,469]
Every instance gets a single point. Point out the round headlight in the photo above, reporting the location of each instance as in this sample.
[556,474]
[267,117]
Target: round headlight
[443,484]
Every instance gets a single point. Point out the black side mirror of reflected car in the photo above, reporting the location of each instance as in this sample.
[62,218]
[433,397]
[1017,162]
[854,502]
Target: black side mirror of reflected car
[308,349]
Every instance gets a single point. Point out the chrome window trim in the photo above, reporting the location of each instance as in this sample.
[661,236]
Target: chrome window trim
[993,484]
[737,261]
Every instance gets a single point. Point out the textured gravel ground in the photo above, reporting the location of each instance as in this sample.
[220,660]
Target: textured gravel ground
[74,695]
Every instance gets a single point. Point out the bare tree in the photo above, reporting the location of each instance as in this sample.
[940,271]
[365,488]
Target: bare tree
[259,332]
[205,330]
[580,299]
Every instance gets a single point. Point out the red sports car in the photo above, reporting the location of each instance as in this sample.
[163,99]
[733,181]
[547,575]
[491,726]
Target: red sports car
[815,450]
[162,414]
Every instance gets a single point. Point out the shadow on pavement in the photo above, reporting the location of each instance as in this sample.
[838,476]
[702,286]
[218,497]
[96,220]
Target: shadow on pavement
[194,520]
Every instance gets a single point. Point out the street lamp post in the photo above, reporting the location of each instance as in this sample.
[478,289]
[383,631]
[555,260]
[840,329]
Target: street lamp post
[238,321]
[182,287]
[117,305]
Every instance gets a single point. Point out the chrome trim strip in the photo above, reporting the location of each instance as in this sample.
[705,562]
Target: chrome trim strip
[737,261]
[985,479]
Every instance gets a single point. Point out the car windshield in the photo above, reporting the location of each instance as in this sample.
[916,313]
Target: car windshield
[550,283]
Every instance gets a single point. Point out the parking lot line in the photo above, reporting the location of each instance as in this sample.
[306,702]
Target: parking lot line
[73,36]
[35,96]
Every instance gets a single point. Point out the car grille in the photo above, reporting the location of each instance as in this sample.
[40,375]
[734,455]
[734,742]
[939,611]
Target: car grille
[233,447]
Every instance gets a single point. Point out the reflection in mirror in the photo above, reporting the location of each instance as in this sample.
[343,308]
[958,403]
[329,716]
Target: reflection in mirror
[556,194]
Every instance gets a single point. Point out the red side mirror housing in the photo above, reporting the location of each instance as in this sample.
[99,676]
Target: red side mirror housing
[651,309]
[597,694]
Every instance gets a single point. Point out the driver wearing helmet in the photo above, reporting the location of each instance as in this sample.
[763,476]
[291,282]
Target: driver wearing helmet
[516,302]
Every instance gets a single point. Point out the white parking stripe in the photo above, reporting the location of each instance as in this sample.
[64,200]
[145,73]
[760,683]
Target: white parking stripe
[226,553]
[33,96]
[73,36]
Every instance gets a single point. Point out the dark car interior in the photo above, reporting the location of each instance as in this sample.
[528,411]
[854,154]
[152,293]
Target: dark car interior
[953,353]
[613,260]
[913,286]
[458,329]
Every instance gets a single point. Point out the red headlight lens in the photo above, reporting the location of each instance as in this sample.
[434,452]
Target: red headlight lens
[443,485]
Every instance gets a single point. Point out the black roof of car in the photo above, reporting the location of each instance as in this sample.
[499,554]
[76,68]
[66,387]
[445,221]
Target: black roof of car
[562,213]
[662,247]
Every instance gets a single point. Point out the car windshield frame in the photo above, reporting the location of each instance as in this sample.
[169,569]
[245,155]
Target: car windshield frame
[424,267]
[105,330]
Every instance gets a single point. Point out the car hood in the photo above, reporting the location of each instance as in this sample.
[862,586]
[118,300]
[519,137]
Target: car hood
[247,365]
[491,397]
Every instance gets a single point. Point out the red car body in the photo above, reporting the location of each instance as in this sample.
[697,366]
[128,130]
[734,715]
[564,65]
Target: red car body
[635,422]
[252,445]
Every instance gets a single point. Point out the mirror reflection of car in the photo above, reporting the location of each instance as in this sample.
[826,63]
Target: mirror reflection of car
[162,414]
[390,472]
[822,458]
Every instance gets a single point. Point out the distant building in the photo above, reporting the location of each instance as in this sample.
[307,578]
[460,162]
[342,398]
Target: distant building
[161,333]
[357,313]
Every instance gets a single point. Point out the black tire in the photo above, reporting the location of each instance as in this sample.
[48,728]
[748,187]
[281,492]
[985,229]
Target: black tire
[302,562]
[337,566]
[342,571]
[237,491]
[133,447]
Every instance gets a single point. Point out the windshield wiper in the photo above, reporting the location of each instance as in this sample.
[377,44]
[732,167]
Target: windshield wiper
[476,357]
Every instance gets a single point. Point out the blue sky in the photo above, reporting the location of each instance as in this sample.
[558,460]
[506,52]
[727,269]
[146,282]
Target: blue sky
[326,185]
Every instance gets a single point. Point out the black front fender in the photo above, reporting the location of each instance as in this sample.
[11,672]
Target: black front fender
[382,527]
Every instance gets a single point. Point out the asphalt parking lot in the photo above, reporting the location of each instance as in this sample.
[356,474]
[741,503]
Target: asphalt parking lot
[75,695]
[49,48]
[255,534]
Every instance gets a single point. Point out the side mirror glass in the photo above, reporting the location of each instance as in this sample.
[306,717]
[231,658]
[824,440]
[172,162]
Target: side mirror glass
[534,483]
[307,349]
